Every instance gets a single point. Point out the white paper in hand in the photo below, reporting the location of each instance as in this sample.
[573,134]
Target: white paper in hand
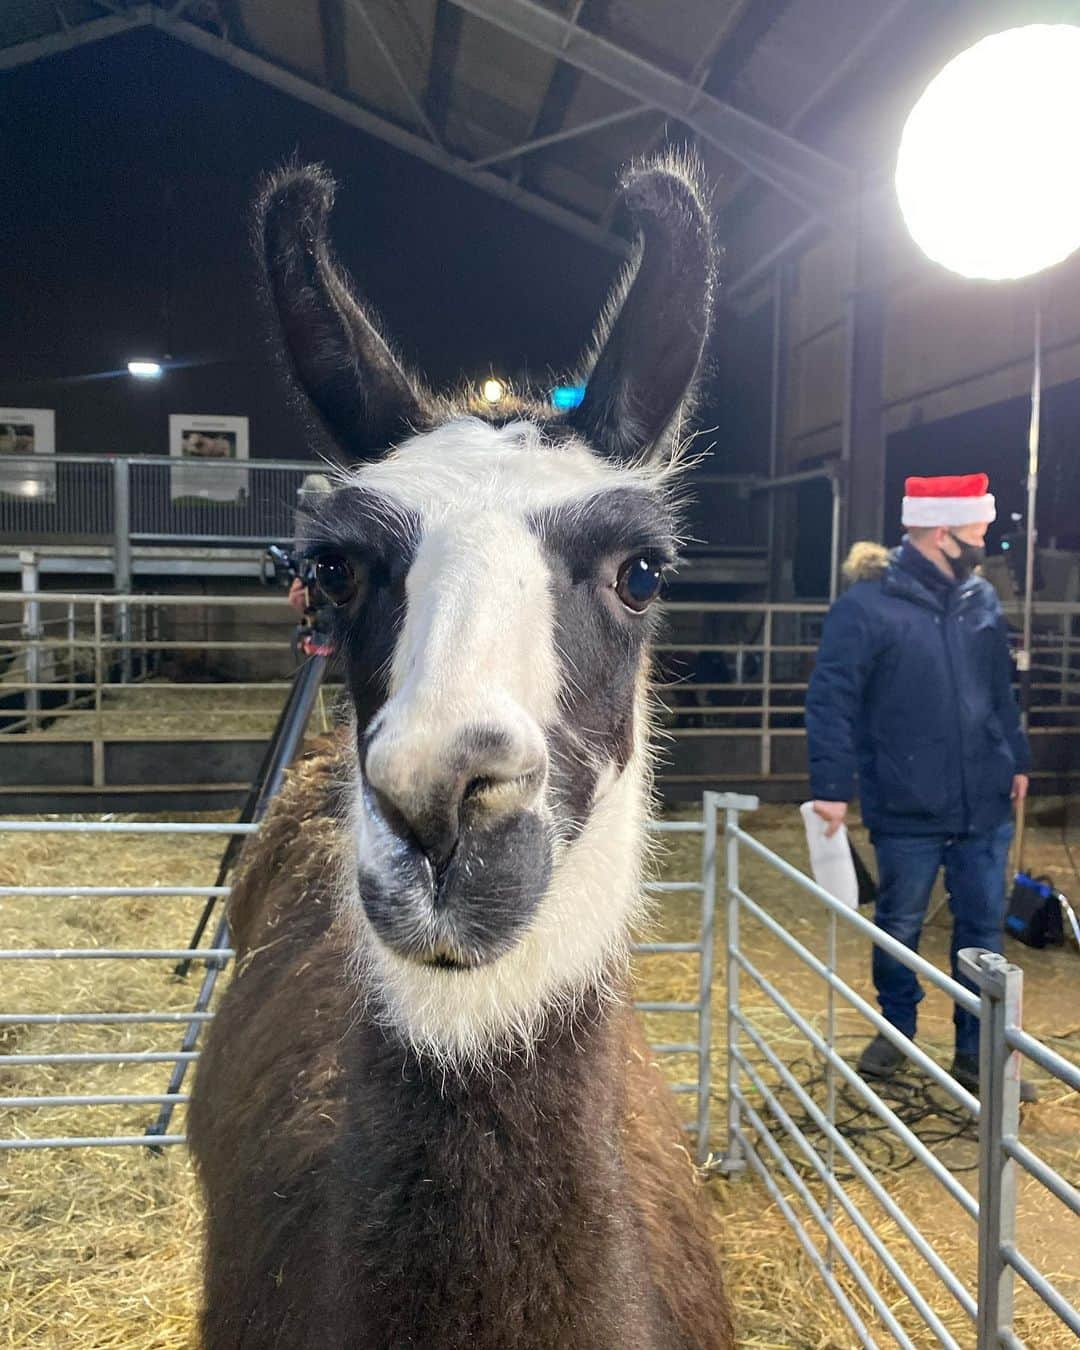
[830,858]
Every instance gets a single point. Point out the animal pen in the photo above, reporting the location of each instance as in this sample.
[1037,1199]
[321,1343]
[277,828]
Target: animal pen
[96,1027]
[77,1043]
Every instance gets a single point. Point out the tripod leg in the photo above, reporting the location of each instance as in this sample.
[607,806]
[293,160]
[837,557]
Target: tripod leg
[287,738]
[247,813]
[214,967]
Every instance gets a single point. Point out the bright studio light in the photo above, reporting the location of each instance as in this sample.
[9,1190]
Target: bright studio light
[987,174]
[144,370]
[493,390]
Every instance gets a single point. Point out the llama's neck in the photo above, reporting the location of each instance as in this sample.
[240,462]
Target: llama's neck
[487,1208]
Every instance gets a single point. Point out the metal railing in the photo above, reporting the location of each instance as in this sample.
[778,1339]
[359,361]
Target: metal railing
[735,702]
[762,1132]
[216,956]
[145,498]
[68,666]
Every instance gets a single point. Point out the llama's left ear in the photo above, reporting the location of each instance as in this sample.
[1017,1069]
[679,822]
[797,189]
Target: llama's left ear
[336,353]
[653,332]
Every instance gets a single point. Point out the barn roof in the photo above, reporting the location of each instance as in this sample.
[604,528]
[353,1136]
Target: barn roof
[542,102]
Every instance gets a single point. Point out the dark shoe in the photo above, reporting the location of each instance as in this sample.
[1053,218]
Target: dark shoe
[880,1059]
[965,1069]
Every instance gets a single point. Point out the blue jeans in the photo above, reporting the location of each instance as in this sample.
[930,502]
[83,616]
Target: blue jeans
[975,881]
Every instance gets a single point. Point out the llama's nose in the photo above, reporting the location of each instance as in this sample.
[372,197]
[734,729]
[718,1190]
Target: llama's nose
[431,788]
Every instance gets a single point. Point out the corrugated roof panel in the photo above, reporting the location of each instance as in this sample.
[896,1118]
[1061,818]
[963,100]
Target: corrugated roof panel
[406,28]
[676,35]
[500,82]
[24,20]
[289,34]
[805,44]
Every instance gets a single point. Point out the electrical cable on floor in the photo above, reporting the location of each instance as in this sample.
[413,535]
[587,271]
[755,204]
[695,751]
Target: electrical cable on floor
[923,1107]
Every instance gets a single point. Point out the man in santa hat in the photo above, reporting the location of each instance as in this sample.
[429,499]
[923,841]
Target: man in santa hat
[912,698]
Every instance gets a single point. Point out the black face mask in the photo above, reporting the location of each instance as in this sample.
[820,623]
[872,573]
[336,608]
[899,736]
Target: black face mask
[969,557]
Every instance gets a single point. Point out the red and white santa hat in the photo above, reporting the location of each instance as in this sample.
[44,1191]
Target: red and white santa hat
[958,500]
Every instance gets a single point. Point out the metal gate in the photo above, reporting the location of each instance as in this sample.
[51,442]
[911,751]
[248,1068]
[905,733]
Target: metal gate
[763,1136]
[214,959]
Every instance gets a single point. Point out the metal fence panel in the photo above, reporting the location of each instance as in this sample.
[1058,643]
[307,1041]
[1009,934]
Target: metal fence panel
[216,955]
[751,1142]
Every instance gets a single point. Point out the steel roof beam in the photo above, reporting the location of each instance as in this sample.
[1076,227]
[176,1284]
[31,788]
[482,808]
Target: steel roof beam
[805,175]
[150,16]
[352,114]
[556,137]
[75,35]
[411,98]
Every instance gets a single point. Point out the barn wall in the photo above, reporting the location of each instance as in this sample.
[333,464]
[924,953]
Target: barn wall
[951,345]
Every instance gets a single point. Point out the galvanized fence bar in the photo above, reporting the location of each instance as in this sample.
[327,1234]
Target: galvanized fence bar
[884,1112]
[828,1129]
[705,974]
[123,827]
[1002,1042]
[1038,1282]
[1057,1185]
[218,954]
[71,892]
[915,1053]
[93,1141]
[835,1244]
[746,1151]
[56,1019]
[1000,986]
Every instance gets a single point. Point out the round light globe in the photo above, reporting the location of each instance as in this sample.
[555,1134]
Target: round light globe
[493,390]
[988,175]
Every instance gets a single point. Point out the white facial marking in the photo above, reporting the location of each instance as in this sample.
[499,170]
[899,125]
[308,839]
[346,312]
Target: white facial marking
[477,647]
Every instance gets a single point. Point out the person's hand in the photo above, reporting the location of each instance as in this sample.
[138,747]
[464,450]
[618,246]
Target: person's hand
[298,595]
[832,813]
[1019,787]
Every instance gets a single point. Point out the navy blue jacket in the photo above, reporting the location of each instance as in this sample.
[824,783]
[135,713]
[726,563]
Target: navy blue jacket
[912,694]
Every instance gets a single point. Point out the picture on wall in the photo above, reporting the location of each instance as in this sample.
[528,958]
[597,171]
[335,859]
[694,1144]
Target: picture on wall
[214,451]
[26,434]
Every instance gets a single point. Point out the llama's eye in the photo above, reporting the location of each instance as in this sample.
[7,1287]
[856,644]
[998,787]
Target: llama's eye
[338,578]
[638,582]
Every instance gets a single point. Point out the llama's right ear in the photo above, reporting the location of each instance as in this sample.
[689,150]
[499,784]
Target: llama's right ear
[336,354]
[653,331]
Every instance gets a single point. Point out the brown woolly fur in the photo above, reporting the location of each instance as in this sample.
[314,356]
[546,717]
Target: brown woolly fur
[866,561]
[360,1197]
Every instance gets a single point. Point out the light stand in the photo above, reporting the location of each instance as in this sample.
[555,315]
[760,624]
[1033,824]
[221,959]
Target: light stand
[1023,656]
[984,184]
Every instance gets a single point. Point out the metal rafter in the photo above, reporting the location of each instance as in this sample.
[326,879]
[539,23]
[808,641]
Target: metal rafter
[562,85]
[445,42]
[76,35]
[150,16]
[332,36]
[807,176]
[804,235]
[360,9]
[352,114]
[851,60]
[712,68]
[567,134]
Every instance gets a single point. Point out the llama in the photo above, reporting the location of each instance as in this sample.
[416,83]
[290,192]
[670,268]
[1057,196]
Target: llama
[425,1115]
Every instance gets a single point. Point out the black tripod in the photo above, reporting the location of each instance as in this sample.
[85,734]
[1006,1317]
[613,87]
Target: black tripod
[280,752]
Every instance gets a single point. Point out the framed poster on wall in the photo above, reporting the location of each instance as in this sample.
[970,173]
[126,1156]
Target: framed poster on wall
[211,450]
[25,434]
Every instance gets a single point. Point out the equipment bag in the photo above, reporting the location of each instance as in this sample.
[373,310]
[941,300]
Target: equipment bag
[1034,915]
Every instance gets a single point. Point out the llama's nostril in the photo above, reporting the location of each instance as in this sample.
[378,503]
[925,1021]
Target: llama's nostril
[475,787]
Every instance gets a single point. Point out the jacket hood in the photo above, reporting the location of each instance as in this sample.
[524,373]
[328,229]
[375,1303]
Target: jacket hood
[866,561]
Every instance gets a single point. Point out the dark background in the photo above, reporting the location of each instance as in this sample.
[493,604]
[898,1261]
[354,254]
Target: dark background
[129,168]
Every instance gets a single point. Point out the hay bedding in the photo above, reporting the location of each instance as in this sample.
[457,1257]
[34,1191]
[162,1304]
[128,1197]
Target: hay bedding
[99,1248]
